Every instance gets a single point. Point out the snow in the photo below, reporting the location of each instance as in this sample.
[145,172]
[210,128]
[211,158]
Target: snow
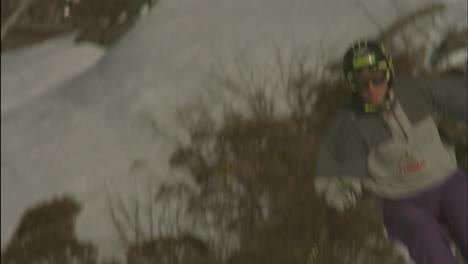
[47,65]
[76,118]
[456,58]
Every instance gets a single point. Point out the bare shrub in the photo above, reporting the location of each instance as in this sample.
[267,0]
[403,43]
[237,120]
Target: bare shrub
[96,11]
[102,22]
[182,250]
[452,41]
[105,21]
[12,14]
[154,230]
[45,234]
[135,217]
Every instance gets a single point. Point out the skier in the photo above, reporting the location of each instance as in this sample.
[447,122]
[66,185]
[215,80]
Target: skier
[385,143]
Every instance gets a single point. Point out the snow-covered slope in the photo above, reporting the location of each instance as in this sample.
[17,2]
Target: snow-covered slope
[82,137]
[31,71]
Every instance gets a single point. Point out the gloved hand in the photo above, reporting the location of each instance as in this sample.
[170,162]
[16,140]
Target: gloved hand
[341,193]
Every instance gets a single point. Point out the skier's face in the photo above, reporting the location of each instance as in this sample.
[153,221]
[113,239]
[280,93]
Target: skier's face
[372,86]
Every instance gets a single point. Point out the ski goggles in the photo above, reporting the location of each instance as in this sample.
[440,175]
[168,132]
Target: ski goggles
[375,76]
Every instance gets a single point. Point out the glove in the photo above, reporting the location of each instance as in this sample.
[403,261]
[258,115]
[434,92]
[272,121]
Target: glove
[341,193]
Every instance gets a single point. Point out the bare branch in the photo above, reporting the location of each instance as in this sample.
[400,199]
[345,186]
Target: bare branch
[117,224]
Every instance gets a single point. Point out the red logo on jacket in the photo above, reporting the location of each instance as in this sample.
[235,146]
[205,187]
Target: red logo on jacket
[409,164]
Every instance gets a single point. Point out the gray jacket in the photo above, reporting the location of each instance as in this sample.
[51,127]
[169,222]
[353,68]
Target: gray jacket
[394,155]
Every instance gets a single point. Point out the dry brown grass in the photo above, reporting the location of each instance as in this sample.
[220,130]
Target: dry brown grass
[186,249]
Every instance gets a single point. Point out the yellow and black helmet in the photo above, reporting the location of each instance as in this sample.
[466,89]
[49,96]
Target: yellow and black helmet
[367,54]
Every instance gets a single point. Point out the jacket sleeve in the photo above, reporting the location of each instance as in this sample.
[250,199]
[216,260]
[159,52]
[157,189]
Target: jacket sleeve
[447,94]
[326,165]
[340,157]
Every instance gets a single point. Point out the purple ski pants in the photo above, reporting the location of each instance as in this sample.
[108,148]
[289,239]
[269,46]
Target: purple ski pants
[426,223]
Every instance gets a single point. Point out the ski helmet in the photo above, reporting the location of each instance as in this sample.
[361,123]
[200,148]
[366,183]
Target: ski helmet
[367,54]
